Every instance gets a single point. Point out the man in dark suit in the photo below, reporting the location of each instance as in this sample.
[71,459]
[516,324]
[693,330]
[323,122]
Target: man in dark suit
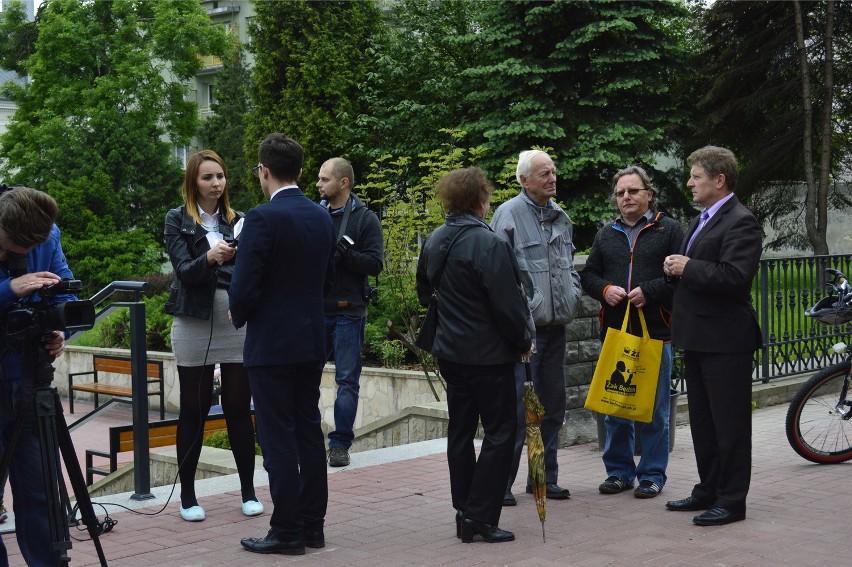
[714,322]
[277,289]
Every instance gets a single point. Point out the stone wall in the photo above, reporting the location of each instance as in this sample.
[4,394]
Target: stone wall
[384,392]
[581,356]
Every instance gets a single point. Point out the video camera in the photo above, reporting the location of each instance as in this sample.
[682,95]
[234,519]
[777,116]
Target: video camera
[26,320]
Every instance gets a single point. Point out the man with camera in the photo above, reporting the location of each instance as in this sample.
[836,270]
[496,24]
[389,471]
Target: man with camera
[31,258]
[358,255]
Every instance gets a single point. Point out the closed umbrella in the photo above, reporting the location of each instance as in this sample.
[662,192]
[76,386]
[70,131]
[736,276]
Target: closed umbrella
[534,411]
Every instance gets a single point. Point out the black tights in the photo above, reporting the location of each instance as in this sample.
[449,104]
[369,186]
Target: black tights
[196,396]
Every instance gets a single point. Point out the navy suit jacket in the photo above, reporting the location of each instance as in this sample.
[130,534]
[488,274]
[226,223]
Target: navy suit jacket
[712,310]
[279,280]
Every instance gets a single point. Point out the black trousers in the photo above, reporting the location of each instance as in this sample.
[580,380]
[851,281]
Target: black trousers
[475,393]
[718,386]
[286,403]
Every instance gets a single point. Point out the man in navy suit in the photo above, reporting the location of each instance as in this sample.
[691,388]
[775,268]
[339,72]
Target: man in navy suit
[277,289]
[714,322]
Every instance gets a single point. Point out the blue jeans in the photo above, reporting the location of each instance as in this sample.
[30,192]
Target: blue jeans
[345,338]
[654,436]
[27,481]
[547,367]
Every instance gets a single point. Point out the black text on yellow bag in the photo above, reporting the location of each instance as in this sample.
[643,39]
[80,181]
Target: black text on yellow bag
[625,380]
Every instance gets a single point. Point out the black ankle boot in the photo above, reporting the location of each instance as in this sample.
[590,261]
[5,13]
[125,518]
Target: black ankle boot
[491,534]
[459,520]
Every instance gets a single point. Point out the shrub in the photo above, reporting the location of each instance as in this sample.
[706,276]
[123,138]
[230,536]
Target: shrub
[114,330]
[392,353]
[219,440]
[405,190]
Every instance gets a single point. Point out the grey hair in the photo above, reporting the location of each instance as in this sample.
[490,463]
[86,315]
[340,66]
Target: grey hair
[525,163]
[643,176]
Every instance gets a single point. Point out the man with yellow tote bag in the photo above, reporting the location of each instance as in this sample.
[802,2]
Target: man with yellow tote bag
[625,267]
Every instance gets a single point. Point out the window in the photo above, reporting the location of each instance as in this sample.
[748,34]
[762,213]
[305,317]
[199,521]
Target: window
[211,95]
[181,154]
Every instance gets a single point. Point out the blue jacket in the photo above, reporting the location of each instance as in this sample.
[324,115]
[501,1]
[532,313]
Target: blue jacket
[46,257]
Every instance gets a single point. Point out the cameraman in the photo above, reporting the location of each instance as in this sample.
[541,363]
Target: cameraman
[30,258]
[359,254]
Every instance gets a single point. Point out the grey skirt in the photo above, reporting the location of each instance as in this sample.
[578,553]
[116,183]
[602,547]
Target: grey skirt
[191,337]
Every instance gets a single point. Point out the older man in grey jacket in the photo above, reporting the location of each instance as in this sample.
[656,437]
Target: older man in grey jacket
[540,233]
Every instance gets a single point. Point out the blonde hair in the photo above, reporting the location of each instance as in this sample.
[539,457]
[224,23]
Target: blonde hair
[189,189]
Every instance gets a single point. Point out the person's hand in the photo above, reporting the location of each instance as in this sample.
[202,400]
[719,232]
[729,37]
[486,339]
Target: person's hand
[221,253]
[30,283]
[525,356]
[614,295]
[637,298]
[56,345]
[673,265]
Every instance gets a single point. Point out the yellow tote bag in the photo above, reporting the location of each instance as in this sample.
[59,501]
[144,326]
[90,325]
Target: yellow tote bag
[625,380]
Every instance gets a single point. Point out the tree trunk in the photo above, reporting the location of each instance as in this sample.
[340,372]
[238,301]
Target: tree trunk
[828,103]
[816,202]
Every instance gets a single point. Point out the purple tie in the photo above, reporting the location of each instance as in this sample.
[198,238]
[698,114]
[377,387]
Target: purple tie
[701,222]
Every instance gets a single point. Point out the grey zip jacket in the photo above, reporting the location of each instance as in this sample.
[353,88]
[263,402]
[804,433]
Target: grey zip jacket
[541,238]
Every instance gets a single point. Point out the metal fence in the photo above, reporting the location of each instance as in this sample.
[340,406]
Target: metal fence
[793,344]
[783,290]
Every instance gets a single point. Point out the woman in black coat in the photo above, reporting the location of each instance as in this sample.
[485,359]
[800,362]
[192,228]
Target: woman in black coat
[200,238]
[483,329]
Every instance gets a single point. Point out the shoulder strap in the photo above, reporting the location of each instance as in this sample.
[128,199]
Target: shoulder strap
[440,271]
[347,209]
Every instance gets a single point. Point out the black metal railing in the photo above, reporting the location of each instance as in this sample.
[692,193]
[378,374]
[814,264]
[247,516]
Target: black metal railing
[139,377]
[793,344]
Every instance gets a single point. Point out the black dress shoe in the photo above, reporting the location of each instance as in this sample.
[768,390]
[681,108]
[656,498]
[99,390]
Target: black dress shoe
[553,491]
[459,520]
[491,534]
[688,504]
[509,499]
[272,544]
[314,539]
[717,516]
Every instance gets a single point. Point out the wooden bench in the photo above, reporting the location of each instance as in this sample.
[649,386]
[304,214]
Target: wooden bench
[117,365]
[160,434]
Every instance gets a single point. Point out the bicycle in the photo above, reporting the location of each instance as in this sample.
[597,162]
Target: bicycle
[818,420]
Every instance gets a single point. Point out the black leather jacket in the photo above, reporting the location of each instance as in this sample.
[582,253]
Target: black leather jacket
[483,316]
[195,281]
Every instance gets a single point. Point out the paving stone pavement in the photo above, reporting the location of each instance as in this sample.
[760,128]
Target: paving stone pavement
[392,507]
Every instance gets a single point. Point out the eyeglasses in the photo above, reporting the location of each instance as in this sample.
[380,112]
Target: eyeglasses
[632,191]
[256,170]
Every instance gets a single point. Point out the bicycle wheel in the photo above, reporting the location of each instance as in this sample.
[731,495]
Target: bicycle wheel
[817,428]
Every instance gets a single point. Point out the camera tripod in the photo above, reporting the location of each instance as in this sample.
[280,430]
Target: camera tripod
[53,438]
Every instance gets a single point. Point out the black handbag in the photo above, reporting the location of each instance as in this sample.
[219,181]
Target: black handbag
[429,324]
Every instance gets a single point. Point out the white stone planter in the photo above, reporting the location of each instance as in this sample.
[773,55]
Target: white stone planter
[384,391]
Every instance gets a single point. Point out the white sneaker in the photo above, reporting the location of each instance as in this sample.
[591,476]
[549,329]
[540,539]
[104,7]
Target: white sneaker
[193,514]
[252,508]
